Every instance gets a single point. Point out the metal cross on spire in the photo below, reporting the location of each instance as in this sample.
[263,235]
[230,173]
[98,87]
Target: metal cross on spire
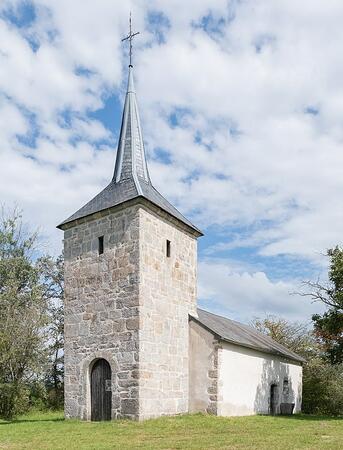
[129,38]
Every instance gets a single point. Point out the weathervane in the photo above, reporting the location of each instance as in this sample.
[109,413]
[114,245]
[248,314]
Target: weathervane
[129,38]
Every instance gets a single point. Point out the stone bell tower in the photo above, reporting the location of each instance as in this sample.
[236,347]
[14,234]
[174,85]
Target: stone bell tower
[130,284]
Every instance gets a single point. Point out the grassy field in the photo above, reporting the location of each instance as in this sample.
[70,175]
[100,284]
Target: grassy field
[51,431]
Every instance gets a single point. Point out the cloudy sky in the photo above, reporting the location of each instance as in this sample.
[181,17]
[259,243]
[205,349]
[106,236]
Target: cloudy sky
[241,105]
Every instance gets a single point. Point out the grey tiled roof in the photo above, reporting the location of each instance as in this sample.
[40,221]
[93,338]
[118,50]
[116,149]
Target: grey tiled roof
[240,334]
[131,176]
[116,193]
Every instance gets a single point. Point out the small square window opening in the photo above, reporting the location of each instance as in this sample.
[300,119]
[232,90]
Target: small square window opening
[101,245]
[168,248]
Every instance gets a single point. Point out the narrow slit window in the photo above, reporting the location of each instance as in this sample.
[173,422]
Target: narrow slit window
[101,245]
[168,248]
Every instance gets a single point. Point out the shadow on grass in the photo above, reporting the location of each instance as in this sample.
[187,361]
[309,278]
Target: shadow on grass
[309,417]
[14,421]
[303,417]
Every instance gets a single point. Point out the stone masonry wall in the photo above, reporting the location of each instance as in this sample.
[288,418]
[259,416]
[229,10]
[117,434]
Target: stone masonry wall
[167,296]
[204,370]
[101,309]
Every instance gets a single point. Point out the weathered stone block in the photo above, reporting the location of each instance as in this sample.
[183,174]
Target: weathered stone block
[129,407]
[132,324]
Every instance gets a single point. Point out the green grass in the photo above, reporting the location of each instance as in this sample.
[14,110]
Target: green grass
[50,431]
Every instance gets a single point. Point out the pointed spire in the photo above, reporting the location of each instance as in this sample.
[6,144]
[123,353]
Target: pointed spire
[131,161]
[131,178]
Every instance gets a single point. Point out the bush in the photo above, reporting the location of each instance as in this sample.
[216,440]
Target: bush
[38,396]
[322,388]
[14,400]
[55,398]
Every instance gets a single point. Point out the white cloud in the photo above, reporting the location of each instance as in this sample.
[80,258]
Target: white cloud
[257,90]
[243,293]
[284,167]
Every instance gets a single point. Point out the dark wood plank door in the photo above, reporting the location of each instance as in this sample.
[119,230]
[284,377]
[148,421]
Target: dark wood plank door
[101,395]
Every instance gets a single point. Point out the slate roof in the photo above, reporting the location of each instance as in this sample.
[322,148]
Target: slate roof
[131,175]
[237,333]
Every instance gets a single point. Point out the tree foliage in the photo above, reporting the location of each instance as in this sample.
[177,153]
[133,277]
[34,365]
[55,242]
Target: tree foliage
[295,336]
[52,276]
[328,326]
[322,388]
[23,312]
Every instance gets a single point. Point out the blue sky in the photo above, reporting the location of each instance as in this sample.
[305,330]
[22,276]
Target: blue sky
[241,106]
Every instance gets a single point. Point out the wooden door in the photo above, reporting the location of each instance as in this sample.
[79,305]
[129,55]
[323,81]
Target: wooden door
[101,395]
[273,398]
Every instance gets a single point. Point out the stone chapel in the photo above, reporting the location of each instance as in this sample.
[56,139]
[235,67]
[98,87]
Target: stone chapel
[136,345]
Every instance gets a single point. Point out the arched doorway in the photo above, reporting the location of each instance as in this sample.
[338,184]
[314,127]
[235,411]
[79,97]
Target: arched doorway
[273,399]
[101,395]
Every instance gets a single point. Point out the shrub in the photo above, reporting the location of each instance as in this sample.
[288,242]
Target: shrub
[55,398]
[322,388]
[14,400]
[38,395]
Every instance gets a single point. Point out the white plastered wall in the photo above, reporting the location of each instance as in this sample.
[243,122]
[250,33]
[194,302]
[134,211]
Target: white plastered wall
[245,377]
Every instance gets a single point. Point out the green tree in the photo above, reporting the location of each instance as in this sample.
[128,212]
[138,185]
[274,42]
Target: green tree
[23,314]
[52,275]
[295,336]
[328,326]
[322,388]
